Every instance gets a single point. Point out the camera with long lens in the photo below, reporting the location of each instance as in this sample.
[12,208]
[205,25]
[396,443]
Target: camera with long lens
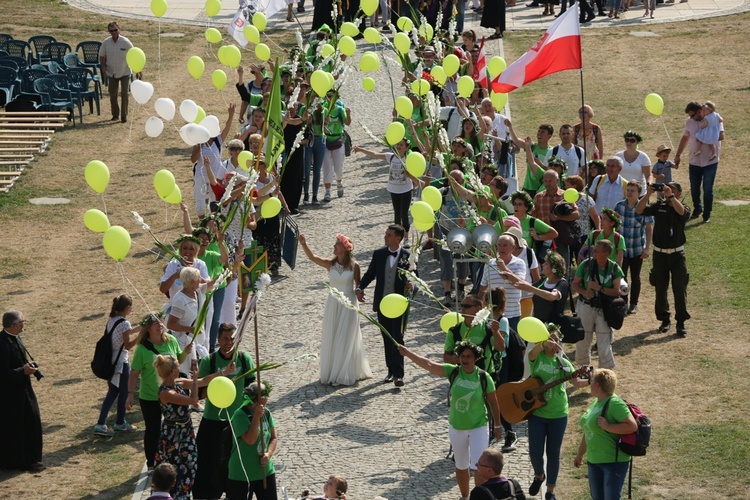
[38,374]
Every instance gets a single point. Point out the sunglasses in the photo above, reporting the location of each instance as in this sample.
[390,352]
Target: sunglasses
[468,306]
[630,139]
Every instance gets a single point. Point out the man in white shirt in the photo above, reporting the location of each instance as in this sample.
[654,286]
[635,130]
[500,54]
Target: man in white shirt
[491,278]
[112,59]
[569,152]
[608,189]
[499,131]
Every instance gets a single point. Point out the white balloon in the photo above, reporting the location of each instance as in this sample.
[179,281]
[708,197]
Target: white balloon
[212,125]
[188,110]
[142,91]
[196,134]
[164,106]
[154,126]
[184,136]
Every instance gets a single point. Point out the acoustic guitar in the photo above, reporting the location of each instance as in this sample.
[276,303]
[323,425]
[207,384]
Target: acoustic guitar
[519,399]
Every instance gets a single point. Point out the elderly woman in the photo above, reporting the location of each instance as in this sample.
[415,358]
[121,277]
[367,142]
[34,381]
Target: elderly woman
[606,418]
[636,231]
[635,163]
[538,235]
[152,341]
[120,332]
[254,441]
[469,387]
[232,164]
[610,222]
[589,134]
[343,360]
[188,247]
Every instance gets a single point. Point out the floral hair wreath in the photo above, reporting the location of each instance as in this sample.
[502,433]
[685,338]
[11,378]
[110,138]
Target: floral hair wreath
[631,133]
[345,242]
[151,318]
[613,216]
[466,344]
[554,264]
[556,160]
[189,237]
[217,217]
[251,395]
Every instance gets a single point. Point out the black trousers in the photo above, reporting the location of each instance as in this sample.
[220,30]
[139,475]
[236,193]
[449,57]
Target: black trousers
[401,202]
[210,479]
[633,264]
[240,490]
[393,360]
[152,418]
[672,265]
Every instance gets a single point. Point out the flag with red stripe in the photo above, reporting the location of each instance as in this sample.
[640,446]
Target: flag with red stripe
[480,68]
[557,50]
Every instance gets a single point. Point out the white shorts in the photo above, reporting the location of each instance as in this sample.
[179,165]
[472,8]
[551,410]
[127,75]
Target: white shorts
[468,445]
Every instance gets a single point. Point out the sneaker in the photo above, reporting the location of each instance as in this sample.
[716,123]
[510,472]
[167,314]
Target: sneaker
[696,214]
[305,201]
[103,431]
[448,301]
[706,220]
[633,309]
[406,243]
[300,9]
[550,495]
[536,484]
[510,441]
[327,197]
[665,326]
[681,330]
[125,427]
[340,190]
[315,201]
[386,27]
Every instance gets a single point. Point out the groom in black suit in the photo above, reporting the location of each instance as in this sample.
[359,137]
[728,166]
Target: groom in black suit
[383,268]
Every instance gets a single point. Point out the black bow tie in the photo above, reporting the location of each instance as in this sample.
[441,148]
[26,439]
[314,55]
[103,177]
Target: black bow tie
[393,254]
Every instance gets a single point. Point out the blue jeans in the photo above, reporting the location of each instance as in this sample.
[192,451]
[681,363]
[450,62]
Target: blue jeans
[460,15]
[614,4]
[706,175]
[218,299]
[549,433]
[118,393]
[318,151]
[606,480]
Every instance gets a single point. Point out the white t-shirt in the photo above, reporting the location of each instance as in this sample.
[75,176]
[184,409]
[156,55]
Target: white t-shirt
[533,264]
[185,309]
[117,341]
[398,181]
[175,266]
[491,279]
[569,156]
[634,170]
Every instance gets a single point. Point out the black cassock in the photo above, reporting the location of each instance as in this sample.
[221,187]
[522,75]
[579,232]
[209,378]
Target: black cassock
[20,422]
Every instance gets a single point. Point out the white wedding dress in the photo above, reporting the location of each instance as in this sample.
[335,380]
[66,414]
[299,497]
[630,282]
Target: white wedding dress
[343,359]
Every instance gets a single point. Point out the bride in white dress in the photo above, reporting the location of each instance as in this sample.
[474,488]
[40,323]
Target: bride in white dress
[343,359]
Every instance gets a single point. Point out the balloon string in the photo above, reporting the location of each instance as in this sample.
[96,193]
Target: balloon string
[667,132]
[166,215]
[237,444]
[125,278]
[158,65]
[104,203]
[158,254]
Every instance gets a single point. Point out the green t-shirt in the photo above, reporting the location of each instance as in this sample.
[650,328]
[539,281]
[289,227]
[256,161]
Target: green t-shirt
[143,361]
[250,452]
[211,257]
[539,226]
[334,127]
[606,276]
[467,401]
[618,242]
[475,334]
[534,182]
[549,369]
[601,446]
[211,412]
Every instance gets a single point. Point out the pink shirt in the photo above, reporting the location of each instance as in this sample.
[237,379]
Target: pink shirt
[691,127]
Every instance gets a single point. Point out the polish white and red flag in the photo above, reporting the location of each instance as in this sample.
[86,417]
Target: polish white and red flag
[557,50]
[480,68]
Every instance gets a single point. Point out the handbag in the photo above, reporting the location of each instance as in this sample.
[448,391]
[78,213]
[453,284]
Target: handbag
[614,308]
[571,328]
[334,145]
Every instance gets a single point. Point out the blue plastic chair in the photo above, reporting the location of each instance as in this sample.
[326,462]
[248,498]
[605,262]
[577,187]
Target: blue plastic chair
[64,82]
[8,82]
[7,62]
[28,77]
[81,79]
[89,58]
[17,48]
[55,51]
[20,62]
[55,98]
[4,37]
[38,43]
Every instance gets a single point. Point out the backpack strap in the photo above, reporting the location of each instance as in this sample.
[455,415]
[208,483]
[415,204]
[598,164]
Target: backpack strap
[212,362]
[603,414]
[452,377]
[150,346]
[487,491]
[114,327]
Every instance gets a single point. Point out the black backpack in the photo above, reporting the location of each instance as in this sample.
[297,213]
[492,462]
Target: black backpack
[509,490]
[514,353]
[486,341]
[102,364]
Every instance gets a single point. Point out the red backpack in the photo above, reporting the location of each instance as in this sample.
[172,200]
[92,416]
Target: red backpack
[635,443]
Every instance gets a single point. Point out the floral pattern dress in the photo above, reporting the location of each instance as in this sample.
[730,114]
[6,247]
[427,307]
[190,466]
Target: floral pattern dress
[177,443]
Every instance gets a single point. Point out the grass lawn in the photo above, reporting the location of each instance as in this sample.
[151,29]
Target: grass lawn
[53,269]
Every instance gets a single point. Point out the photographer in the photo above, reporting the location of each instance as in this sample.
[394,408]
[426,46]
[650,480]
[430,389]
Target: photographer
[20,423]
[595,277]
[670,216]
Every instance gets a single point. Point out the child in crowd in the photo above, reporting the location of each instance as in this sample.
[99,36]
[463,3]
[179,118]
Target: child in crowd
[710,130]
[662,169]
[162,480]
[335,487]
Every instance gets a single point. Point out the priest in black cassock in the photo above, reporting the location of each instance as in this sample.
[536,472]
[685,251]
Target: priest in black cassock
[20,422]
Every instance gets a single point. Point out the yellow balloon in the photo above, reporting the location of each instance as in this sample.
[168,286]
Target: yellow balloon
[451,63]
[196,67]
[498,100]
[438,73]
[327,50]
[372,35]
[347,46]
[415,164]
[421,211]
[251,34]
[221,53]
[496,66]
[349,29]
[245,160]
[431,195]
[654,104]
[368,84]
[420,87]
[116,242]
[233,56]
[96,220]
[163,182]
[97,175]
[393,305]
[219,78]
[369,62]
[532,329]
[449,320]
[426,31]
[262,52]
[260,21]
[212,7]
[404,107]
[402,43]
[159,7]
[320,82]
[175,197]
[395,133]
[200,116]
[270,208]
[571,195]
[136,59]
[404,24]
[423,225]
[213,35]
[369,6]
[465,86]
[331,80]
[221,392]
